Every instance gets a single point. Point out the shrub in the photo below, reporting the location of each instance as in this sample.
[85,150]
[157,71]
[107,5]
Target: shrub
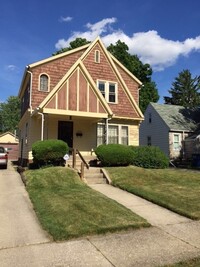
[49,152]
[114,155]
[149,157]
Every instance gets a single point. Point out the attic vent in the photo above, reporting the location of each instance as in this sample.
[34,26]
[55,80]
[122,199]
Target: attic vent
[97,56]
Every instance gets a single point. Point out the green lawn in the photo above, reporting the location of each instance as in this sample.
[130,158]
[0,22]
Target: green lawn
[67,207]
[177,190]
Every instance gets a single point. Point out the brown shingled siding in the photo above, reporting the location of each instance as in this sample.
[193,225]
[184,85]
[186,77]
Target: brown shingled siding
[56,69]
[104,71]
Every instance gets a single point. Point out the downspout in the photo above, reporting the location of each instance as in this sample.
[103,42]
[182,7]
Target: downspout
[107,120]
[30,99]
[183,144]
[42,125]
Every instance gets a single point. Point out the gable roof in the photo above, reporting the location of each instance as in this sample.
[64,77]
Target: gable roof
[86,49]
[177,118]
[77,65]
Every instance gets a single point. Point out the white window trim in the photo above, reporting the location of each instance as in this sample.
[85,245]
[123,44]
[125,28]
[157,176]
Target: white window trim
[107,83]
[179,141]
[48,82]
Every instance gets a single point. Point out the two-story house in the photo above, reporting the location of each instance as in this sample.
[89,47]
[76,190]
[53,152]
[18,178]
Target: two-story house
[84,97]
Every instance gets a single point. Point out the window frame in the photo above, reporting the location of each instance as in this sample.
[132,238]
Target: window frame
[108,93]
[120,136]
[176,143]
[97,56]
[149,140]
[48,82]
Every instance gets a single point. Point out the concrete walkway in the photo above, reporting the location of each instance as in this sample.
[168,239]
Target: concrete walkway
[23,243]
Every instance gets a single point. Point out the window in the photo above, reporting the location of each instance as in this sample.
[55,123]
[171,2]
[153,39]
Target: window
[112,93]
[97,56]
[112,134]
[102,88]
[44,83]
[100,134]
[108,90]
[176,142]
[124,135]
[149,140]
[117,134]
[150,118]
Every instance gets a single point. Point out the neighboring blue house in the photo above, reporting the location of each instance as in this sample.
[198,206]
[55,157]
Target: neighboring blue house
[167,126]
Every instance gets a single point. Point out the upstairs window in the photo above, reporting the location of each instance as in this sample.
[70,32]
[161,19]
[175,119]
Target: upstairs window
[150,119]
[112,93]
[44,83]
[97,56]
[108,90]
[101,86]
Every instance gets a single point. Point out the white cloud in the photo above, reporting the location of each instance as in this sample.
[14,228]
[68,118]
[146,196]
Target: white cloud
[65,19]
[93,31]
[149,46]
[11,67]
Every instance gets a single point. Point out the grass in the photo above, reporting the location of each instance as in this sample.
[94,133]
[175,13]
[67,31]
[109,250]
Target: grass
[68,208]
[189,263]
[177,190]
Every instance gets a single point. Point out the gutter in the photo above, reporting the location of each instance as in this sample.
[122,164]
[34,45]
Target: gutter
[42,125]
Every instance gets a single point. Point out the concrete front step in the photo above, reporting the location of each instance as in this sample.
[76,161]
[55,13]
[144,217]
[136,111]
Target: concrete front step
[94,176]
[89,159]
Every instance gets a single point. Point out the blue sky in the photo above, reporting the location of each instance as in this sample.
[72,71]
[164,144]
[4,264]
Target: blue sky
[164,33]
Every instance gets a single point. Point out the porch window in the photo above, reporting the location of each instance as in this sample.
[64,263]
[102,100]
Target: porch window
[100,134]
[124,135]
[108,90]
[176,142]
[113,134]
[117,134]
[44,83]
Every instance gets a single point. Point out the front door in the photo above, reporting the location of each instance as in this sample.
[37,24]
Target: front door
[65,132]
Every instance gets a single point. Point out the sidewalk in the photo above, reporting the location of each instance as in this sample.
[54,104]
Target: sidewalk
[171,238]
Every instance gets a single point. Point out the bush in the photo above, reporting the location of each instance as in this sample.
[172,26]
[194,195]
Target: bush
[149,157]
[114,155]
[49,152]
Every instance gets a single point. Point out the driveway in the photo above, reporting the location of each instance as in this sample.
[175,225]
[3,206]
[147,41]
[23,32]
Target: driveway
[18,224]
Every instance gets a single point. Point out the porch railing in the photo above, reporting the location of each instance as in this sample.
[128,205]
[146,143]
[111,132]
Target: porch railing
[75,151]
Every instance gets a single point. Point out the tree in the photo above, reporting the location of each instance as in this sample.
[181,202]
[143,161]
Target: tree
[9,114]
[185,90]
[143,72]
[74,44]
[148,92]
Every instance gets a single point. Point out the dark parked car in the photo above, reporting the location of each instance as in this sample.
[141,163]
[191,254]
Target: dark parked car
[3,157]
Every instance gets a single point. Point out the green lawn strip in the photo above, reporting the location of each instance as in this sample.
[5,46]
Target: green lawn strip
[189,263]
[67,207]
[176,190]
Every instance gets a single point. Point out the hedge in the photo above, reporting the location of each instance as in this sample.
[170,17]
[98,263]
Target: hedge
[149,157]
[49,152]
[114,155]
